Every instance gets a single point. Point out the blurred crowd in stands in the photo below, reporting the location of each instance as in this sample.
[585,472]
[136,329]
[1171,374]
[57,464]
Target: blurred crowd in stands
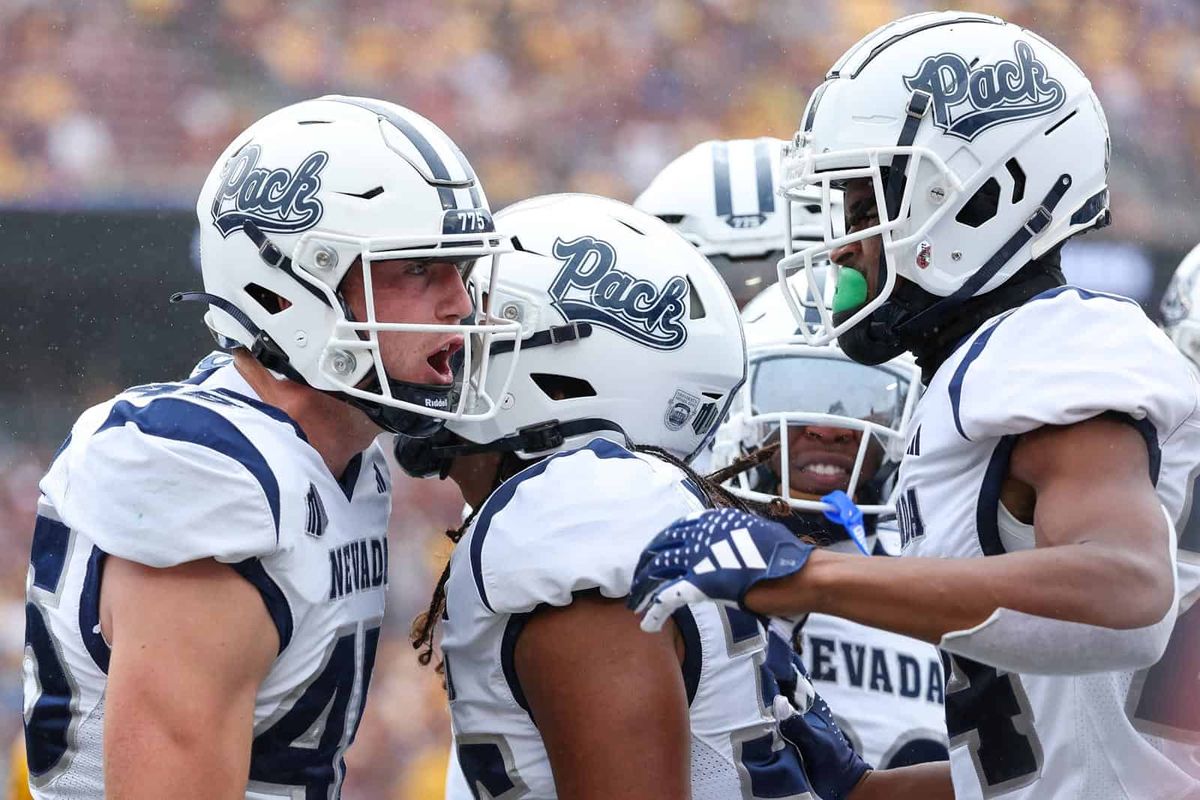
[113,102]
[126,103]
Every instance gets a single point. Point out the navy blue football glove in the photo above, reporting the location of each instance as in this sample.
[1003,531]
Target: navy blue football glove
[717,555]
[832,766]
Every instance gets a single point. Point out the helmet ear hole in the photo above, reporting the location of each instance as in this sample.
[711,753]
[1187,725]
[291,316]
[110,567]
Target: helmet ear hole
[562,387]
[271,302]
[982,206]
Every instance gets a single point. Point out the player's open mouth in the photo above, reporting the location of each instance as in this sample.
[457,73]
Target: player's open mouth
[822,473]
[440,362]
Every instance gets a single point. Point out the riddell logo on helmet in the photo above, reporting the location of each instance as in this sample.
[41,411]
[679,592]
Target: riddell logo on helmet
[590,288]
[277,200]
[967,102]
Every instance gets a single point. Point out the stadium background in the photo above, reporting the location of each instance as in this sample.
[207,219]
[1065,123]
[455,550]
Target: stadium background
[113,111]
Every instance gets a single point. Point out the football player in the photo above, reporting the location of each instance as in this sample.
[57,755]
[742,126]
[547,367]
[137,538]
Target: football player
[845,427]
[840,418]
[209,562]
[1180,311]
[631,353]
[1053,448]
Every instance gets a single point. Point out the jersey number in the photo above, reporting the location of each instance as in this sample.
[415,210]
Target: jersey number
[305,747]
[988,711]
[48,718]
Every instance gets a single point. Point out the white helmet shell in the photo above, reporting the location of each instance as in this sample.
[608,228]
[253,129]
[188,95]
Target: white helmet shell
[299,197]
[722,197]
[1181,306]
[985,146]
[627,331]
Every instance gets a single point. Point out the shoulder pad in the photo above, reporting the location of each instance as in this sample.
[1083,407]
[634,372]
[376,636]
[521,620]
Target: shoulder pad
[1066,356]
[576,521]
[167,480]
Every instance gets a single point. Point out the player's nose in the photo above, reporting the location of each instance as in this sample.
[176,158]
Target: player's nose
[847,255]
[454,303]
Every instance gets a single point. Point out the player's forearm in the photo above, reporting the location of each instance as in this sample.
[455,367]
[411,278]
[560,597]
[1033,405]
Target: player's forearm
[927,598]
[923,781]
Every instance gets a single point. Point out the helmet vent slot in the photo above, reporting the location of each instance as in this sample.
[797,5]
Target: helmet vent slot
[627,225]
[562,387]
[270,301]
[671,219]
[695,305]
[982,206]
[1018,176]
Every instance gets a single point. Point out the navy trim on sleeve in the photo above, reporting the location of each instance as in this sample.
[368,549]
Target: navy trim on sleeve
[1149,433]
[987,510]
[183,421]
[89,611]
[602,448]
[48,553]
[956,381]
[960,373]
[693,651]
[508,648]
[273,597]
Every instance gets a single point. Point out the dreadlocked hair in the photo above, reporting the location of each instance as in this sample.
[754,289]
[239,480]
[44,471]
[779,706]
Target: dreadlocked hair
[716,495]
[424,625]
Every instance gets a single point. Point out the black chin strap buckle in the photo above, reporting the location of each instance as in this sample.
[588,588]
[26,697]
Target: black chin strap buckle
[1038,222]
[541,437]
[569,332]
[918,104]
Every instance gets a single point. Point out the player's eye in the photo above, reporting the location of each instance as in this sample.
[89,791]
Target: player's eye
[416,268]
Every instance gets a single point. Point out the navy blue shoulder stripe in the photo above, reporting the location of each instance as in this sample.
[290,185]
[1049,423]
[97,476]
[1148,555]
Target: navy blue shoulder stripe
[977,346]
[960,374]
[182,421]
[500,498]
[277,414]
[1086,294]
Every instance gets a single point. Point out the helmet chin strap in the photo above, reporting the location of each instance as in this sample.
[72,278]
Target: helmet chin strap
[911,315]
[267,352]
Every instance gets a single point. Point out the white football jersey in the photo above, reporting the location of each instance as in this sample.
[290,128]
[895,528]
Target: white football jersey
[173,472]
[577,522]
[1063,357]
[885,690]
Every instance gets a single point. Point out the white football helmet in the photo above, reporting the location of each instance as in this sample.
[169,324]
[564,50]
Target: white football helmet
[301,195]
[985,147]
[1181,306]
[819,399]
[721,197]
[628,333]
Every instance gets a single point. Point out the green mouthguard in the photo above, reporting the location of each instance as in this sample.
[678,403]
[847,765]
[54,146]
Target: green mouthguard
[851,291]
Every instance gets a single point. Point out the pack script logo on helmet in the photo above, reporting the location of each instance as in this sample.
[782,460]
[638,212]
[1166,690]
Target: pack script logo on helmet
[277,200]
[990,95]
[606,296]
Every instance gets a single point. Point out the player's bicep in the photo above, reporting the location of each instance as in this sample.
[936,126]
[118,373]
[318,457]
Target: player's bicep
[1094,485]
[608,700]
[190,646]
[1093,482]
